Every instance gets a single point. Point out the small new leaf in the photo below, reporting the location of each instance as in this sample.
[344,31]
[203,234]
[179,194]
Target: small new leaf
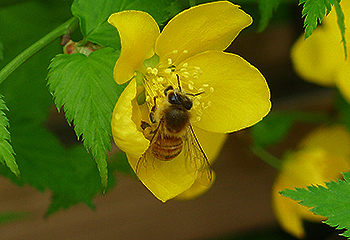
[6,151]
[314,11]
[86,88]
[332,201]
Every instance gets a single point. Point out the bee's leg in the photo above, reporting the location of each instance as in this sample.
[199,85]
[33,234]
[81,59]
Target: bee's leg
[153,110]
[144,125]
[147,130]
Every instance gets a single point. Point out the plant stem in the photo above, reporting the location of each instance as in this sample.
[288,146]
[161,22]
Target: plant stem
[266,156]
[36,47]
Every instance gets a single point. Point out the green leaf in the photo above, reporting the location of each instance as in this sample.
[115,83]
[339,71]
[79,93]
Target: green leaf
[275,126]
[93,15]
[1,51]
[341,24]
[86,88]
[6,151]
[272,128]
[314,11]
[266,7]
[332,201]
[70,173]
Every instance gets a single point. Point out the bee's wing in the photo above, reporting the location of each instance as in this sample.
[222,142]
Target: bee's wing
[195,159]
[147,159]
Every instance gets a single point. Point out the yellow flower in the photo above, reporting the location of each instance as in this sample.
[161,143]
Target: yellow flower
[188,52]
[320,58]
[322,156]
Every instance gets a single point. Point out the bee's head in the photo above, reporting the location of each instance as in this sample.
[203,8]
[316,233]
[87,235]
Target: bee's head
[177,97]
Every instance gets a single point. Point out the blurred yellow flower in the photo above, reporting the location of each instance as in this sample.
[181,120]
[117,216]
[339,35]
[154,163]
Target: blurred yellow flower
[320,58]
[188,52]
[321,157]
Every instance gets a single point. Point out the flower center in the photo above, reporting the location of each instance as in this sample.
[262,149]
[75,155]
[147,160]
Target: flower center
[165,73]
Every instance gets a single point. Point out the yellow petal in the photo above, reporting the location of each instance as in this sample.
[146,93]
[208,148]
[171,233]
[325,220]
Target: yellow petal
[212,143]
[138,32]
[165,179]
[237,92]
[125,131]
[168,179]
[334,139]
[194,191]
[317,58]
[210,26]
[286,212]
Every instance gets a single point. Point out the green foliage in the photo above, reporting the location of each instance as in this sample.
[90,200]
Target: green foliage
[266,7]
[69,173]
[314,11]
[272,129]
[332,201]
[6,151]
[93,17]
[86,88]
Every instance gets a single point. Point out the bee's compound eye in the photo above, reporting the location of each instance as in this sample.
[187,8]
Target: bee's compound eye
[167,89]
[173,98]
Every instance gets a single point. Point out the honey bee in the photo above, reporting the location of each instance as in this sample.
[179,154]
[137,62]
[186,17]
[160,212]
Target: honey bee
[174,134]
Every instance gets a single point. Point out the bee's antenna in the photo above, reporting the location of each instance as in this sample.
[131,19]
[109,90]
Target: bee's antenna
[194,95]
[178,82]
[190,94]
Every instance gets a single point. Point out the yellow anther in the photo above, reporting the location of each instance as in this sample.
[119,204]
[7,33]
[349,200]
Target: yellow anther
[155,71]
[167,71]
